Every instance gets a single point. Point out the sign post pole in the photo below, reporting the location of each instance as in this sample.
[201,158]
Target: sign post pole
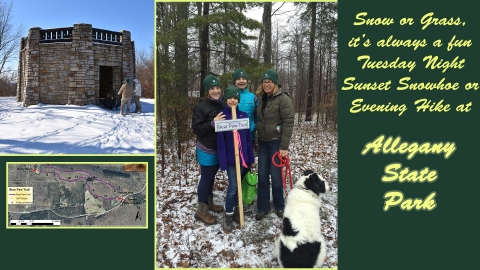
[234,125]
[237,169]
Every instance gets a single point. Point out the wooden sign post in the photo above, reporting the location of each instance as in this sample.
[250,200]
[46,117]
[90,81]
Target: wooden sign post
[237,169]
[234,125]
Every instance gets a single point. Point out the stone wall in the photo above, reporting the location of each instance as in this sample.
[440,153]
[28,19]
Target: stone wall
[68,72]
[31,56]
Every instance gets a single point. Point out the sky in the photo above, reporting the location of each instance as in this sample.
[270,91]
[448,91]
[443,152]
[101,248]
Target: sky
[281,16]
[136,16]
[72,129]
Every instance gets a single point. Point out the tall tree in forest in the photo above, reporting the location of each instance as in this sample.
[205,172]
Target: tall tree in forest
[181,73]
[204,50]
[181,49]
[161,82]
[267,23]
[326,103]
[228,37]
[308,115]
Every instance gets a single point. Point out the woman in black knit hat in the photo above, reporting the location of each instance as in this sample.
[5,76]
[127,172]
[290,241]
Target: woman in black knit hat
[204,115]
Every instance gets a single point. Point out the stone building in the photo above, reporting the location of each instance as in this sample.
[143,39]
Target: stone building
[77,65]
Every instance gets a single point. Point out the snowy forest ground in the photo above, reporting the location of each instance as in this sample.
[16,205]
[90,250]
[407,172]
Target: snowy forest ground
[184,242]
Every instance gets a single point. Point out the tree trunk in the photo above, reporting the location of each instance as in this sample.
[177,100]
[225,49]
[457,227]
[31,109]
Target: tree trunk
[181,78]
[300,68]
[204,52]
[260,41]
[160,14]
[320,82]
[225,27]
[267,22]
[308,115]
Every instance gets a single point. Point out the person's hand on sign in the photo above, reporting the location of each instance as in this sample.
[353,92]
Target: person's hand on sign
[219,116]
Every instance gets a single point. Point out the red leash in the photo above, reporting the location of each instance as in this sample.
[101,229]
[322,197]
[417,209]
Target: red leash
[284,163]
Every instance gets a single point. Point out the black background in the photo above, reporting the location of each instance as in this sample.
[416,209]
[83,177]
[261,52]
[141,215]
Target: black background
[446,237]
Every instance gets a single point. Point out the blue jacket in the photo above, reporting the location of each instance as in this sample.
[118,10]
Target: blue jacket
[248,103]
[226,152]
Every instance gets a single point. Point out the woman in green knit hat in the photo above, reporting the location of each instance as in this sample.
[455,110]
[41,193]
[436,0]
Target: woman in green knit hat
[204,115]
[226,153]
[248,102]
[275,126]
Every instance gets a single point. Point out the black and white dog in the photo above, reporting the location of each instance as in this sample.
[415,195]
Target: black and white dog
[301,244]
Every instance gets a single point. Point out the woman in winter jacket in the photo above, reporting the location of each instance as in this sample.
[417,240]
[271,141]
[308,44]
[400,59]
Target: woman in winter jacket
[204,115]
[226,154]
[248,102]
[275,126]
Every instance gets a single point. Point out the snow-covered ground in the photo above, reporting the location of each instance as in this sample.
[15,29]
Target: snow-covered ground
[71,129]
[184,242]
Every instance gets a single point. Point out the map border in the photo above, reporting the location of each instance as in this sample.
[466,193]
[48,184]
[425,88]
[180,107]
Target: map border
[77,227]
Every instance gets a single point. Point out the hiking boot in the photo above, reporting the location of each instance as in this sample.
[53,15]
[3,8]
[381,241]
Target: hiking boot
[260,215]
[236,214]
[227,222]
[215,208]
[202,214]
[279,213]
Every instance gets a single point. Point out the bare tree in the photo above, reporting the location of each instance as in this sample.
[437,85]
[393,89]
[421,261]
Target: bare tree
[8,84]
[144,71]
[9,36]
[181,72]
[308,116]
[204,50]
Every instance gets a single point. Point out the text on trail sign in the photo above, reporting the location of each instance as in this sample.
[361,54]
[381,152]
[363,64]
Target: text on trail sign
[226,125]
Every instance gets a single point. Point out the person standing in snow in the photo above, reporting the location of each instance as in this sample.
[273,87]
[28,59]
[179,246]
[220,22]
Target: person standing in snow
[226,155]
[126,91]
[137,93]
[204,114]
[248,103]
[275,126]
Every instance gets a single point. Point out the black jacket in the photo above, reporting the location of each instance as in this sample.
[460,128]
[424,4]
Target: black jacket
[202,118]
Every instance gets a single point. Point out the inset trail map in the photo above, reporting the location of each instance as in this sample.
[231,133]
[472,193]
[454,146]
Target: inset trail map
[80,195]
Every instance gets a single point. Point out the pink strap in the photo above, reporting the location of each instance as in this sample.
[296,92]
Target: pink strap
[237,135]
